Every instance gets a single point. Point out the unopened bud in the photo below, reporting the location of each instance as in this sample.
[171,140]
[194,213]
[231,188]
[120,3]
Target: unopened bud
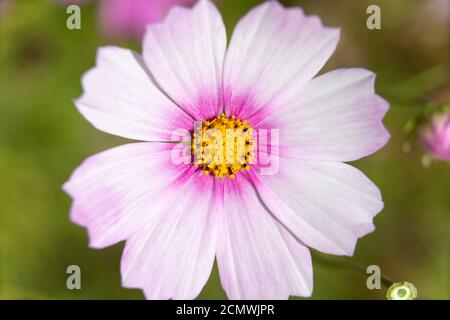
[402,291]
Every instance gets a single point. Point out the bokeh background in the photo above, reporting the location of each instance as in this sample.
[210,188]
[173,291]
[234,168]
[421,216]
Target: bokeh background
[43,139]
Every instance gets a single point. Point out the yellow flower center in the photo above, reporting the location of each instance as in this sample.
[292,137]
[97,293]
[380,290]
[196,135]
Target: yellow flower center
[223,146]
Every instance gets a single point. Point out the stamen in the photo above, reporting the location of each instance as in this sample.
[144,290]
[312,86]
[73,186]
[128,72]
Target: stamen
[223,146]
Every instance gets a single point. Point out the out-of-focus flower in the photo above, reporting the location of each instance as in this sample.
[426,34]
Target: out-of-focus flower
[435,134]
[129,18]
[4,6]
[177,217]
[402,291]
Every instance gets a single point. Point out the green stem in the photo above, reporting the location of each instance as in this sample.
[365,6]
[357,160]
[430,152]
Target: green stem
[347,263]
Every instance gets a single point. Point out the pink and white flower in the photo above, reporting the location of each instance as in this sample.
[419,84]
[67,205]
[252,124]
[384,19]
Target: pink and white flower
[435,136]
[175,219]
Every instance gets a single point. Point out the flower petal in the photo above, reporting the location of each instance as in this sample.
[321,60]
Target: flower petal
[120,98]
[336,116]
[118,190]
[257,257]
[172,258]
[327,205]
[185,54]
[273,50]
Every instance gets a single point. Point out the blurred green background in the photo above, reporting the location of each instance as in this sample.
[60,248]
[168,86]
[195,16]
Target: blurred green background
[43,139]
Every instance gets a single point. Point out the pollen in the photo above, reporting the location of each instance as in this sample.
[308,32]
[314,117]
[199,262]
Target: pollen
[223,146]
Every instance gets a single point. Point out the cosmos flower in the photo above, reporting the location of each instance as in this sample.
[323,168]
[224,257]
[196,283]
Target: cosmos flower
[177,217]
[435,136]
[121,18]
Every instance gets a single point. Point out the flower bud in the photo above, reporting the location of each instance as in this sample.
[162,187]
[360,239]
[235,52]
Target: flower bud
[402,291]
[435,135]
